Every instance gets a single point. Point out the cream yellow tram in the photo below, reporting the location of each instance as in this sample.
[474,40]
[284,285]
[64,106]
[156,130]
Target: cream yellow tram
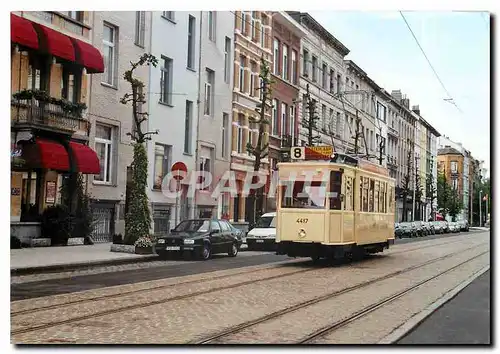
[346,207]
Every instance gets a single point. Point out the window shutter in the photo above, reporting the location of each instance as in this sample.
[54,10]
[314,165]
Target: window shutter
[83,96]
[142,27]
[55,80]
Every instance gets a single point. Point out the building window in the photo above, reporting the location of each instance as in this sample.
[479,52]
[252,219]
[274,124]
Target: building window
[323,117]
[254,25]
[455,183]
[285,62]
[284,112]
[292,123]
[206,162]
[332,81]
[242,74]
[381,112]
[191,41]
[338,83]
[162,164]
[454,166]
[294,66]
[169,15]
[253,73]
[274,127]
[209,95]
[337,124]
[75,15]
[166,81]
[263,31]
[225,131]
[324,73]
[108,41]
[140,27]
[305,60]
[71,84]
[243,23]
[188,127]
[314,68]
[239,138]
[104,149]
[276,51]
[211,25]
[227,59]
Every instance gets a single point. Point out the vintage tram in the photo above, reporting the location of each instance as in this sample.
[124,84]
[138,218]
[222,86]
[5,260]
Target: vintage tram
[333,209]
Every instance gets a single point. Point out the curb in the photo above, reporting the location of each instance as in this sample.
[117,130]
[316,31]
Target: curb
[79,266]
[414,321]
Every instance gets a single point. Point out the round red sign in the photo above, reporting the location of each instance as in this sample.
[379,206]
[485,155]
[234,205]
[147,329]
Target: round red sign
[177,168]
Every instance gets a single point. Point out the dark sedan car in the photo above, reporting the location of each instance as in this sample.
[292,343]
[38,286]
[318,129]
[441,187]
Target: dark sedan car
[201,238]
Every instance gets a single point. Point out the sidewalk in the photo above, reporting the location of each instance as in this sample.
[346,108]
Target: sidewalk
[29,260]
[479,228]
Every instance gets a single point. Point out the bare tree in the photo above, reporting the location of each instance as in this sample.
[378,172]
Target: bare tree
[311,121]
[260,150]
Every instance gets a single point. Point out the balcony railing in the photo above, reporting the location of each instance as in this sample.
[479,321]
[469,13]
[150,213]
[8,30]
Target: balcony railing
[392,162]
[44,115]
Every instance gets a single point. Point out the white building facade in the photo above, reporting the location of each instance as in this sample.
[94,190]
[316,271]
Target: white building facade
[214,132]
[173,104]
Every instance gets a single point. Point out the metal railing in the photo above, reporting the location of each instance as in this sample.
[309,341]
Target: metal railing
[46,115]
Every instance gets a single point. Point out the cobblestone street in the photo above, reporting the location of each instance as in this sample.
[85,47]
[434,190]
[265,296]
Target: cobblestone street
[268,303]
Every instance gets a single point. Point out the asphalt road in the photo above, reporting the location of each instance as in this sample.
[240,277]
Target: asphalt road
[95,281]
[465,319]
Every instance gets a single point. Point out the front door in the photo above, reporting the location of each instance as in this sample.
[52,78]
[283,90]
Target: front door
[216,237]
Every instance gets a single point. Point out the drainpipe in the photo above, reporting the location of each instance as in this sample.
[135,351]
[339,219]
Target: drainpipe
[90,100]
[148,86]
[197,151]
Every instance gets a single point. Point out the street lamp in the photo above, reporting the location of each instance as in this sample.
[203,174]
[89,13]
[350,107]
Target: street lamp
[480,209]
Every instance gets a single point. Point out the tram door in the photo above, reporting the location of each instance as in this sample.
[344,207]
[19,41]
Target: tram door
[341,206]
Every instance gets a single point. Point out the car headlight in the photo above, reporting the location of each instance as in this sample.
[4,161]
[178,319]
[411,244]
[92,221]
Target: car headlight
[161,240]
[189,242]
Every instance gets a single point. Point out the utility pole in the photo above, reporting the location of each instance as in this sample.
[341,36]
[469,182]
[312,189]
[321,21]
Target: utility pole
[356,136]
[471,198]
[310,121]
[480,210]
[415,187]
[381,147]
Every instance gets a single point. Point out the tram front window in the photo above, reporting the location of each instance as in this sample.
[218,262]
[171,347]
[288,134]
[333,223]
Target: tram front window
[303,197]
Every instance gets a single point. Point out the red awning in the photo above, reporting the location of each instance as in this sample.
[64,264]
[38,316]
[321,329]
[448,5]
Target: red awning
[46,154]
[86,159]
[88,56]
[22,32]
[56,43]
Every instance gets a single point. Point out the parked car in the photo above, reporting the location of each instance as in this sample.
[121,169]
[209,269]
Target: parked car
[438,227]
[454,227]
[201,238]
[464,225]
[398,231]
[419,229]
[445,226]
[407,229]
[263,235]
[430,227]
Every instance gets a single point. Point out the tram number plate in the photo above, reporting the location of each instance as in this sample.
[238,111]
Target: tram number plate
[302,221]
[259,241]
[173,248]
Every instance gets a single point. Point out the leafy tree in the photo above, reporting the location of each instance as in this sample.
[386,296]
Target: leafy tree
[406,186]
[455,205]
[260,150]
[430,191]
[443,193]
[418,195]
[138,217]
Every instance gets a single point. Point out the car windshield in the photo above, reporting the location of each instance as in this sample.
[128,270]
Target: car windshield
[265,222]
[193,226]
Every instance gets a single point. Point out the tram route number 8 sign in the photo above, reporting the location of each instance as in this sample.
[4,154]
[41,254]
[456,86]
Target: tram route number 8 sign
[298,153]
[311,152]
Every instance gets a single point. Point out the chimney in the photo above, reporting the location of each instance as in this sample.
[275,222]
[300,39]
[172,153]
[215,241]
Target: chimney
[397,95]
[416,109]
[406,103]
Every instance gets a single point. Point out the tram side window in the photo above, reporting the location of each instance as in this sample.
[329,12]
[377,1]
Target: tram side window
[391,199]
[349,195]
[370,196]
[366,188]
[382,196]
[298,197]
[335,190]
[376,197]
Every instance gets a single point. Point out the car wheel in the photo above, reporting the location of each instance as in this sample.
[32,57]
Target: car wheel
[234,250]
[206,252]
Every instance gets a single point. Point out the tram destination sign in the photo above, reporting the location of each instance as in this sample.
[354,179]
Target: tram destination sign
[311,152]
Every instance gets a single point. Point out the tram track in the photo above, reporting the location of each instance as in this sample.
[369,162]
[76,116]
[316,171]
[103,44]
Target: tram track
[320,333]
[283,264]
[218,337]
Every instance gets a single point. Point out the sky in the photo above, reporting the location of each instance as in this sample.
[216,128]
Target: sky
[458,47]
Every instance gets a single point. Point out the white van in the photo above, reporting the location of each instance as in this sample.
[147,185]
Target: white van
[263,235]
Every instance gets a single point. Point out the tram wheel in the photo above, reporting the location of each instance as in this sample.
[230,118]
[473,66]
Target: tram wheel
[315,259]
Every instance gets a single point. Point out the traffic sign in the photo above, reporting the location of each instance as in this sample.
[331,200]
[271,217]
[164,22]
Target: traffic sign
[311,152]
[178,167]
